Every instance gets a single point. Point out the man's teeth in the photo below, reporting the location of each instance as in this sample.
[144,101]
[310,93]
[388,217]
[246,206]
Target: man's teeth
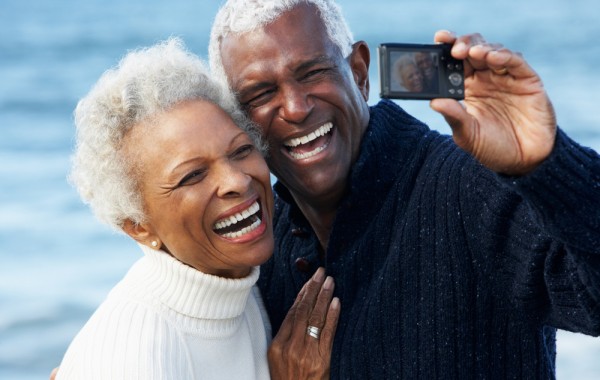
[322,131]
[301,156]
[233,219]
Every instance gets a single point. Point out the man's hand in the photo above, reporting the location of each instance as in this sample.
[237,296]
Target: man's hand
[506,121]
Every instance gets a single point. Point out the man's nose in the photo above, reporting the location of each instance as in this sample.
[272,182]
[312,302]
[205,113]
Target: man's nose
[296,104]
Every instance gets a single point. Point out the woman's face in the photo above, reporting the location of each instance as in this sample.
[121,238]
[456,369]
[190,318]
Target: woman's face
[412,78]
[198,173]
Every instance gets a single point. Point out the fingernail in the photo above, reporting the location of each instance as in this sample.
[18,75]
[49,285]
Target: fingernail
[319,275]
[335,303]
[328,283]
[460,46]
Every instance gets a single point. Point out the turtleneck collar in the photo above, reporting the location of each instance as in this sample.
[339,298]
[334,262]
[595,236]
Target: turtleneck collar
[159,277]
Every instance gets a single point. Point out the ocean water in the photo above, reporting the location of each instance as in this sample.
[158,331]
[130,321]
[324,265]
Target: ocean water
[58,262]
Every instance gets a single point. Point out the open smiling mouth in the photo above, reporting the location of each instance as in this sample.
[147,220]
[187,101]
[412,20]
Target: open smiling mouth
[239,224]
[311,144]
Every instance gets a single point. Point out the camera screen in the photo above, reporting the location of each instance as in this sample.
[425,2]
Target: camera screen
[414,71]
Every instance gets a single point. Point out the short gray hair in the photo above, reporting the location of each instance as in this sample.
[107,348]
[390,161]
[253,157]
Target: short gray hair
[241,16]
[145,83]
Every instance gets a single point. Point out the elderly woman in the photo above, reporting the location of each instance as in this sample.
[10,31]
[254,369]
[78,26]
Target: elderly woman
[407,74]
[164,155]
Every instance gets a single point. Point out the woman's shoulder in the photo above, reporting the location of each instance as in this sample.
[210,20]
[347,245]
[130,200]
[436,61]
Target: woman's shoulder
[122,339]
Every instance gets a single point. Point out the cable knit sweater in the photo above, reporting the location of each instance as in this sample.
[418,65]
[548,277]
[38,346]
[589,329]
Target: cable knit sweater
[166,320]
[444,269]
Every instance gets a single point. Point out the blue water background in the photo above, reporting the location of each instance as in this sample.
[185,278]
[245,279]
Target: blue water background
[57,262]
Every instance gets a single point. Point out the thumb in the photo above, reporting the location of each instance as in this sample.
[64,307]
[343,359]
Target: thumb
[457,118]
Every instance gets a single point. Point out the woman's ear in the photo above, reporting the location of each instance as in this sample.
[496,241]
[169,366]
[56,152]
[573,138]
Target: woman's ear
[360,58]
[142,233]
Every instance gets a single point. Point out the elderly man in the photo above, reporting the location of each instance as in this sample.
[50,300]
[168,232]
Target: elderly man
[453,257]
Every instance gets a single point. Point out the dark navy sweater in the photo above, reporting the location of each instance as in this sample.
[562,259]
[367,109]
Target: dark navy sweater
[444,269]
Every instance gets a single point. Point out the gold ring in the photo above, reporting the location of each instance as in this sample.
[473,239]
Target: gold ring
[502,71]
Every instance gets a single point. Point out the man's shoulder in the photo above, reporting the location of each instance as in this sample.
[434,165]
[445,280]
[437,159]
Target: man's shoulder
[389,112]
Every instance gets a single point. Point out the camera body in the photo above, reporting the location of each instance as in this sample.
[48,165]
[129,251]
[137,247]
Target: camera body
[416,71]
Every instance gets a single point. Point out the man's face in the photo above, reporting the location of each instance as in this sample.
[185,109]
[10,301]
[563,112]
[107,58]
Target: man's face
[309,101]
[425,64]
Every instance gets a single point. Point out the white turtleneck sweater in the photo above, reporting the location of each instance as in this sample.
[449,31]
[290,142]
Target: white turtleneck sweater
[166,320]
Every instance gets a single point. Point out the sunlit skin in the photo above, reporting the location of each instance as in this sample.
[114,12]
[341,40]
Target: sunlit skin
[296,85]
[196,168]
[411,78]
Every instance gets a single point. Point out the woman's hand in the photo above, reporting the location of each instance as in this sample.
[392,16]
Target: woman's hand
[506,121]
[296,354]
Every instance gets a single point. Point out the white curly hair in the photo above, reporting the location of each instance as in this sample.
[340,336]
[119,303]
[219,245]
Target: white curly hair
[241,16]
[145,83]
[399,65]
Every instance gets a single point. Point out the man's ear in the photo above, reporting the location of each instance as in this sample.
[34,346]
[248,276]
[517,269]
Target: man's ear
[142,233]
[360,58]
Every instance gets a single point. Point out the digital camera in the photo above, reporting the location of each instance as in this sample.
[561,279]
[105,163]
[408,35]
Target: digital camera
[416,71]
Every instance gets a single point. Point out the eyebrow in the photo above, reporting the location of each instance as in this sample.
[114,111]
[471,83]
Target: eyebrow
[321,59]
[234,140]
[254,87]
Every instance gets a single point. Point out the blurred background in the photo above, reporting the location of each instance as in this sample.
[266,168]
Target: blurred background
[57,262]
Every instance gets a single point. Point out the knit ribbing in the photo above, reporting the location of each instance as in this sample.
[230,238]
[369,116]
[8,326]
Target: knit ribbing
[442,267]
[187,290]
[166,320]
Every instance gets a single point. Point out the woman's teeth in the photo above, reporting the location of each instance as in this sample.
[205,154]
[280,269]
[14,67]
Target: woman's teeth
[247,219]
[243,231]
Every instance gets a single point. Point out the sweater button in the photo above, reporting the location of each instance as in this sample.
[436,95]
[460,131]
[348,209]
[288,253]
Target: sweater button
[299,232]
[302,265]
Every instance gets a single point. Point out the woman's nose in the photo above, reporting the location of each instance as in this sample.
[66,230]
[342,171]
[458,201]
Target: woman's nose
[233,181]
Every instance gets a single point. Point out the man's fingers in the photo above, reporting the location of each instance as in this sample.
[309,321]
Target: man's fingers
[444,36]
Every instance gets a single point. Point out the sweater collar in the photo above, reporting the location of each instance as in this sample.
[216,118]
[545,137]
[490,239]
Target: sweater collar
[164,279]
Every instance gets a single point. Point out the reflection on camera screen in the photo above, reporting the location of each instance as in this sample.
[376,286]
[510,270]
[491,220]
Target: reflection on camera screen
[414,71]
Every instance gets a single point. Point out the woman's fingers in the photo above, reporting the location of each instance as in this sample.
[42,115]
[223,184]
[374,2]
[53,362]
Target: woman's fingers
[328,331]
[304,307]
[319,312]
[288,323]
[298,352]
